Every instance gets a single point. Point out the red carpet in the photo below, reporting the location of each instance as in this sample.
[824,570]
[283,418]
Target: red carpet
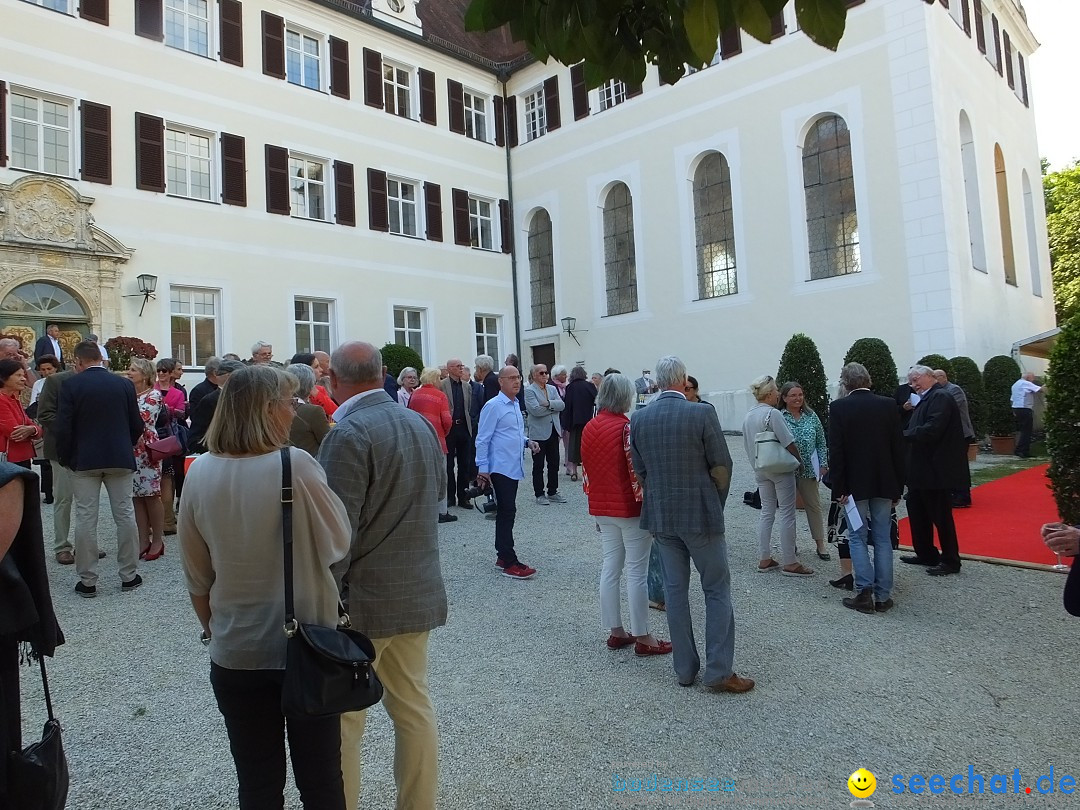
[1004,520]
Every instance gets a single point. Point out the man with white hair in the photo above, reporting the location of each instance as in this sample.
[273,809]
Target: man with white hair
[10,350]
[1023,408]
[262,353]
[484,365]
[682,460]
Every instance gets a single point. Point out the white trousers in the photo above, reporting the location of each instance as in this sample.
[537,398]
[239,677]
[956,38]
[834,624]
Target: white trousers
[625,544]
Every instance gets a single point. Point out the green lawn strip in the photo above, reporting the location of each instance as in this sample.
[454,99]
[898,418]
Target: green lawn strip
[988,474]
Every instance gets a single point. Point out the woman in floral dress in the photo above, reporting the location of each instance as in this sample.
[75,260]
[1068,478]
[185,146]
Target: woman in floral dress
[149,513]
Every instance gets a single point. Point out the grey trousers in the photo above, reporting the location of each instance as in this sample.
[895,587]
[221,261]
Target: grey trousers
[86,485]
[63,500]
[709,552]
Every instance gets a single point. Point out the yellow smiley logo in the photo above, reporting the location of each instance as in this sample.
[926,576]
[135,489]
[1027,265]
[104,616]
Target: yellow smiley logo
[862,784]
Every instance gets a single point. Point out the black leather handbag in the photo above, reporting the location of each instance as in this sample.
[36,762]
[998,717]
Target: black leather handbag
[38,775]
[328,670]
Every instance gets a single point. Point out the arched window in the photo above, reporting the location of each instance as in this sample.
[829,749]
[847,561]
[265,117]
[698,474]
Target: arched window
[832,224]
[971,195]
[713,228]
[1004,219]
[1032,239]
[541,271]
[620,267]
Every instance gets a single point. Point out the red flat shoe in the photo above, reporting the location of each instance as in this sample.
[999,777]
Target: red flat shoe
[149,555]
[618,642]
[662,648]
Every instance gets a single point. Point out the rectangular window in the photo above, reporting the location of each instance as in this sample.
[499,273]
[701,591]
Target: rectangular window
[611,93]
[187,25]
[481,223]
[475,116]
[397,90]
[193,316]
[41,138]
[690,69]
[535,116]
[409,328]
[313,324]
[303,56]
[401,206]
[487,335]
[307,179]
[188,163]
[55,5]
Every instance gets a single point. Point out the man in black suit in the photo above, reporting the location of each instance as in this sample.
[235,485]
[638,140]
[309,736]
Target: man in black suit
[49,343]
[937,466]
[97,425]
[460,445]
[866,464]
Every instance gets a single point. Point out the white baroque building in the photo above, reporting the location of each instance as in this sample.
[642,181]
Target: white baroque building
[307,172]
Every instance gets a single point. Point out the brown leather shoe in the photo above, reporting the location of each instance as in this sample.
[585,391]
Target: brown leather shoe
[65,558]
[733,683]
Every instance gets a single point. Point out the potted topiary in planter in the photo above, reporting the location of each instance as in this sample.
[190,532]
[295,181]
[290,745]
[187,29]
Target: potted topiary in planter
[967,375]
[999,374]
[1062,417]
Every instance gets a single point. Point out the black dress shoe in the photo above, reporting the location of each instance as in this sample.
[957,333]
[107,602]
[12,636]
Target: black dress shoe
[881,607]
[942,570]
[914,559]
[864,602]
[846,583]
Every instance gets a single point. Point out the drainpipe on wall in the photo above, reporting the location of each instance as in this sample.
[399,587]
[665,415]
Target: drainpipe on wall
[502,77]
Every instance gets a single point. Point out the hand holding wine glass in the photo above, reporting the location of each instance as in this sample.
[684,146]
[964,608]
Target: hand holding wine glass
[1061,539]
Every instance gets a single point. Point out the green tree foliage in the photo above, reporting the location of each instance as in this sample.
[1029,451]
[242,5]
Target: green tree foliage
[966,374]
[801,363]
[874,354]
[396,357]
[1061,191]
[936,361]
[999,374]
[619,38]
[1063,421]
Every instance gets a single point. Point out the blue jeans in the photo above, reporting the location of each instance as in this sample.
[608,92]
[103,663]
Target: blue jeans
[879,573]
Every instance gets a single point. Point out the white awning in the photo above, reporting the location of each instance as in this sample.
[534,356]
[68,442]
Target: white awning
[1036,345]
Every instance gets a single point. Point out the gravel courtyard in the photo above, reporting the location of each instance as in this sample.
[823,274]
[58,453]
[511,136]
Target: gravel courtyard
[535,712]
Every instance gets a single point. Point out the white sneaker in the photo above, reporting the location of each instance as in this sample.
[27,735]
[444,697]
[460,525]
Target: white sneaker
[556,498]
[543,501]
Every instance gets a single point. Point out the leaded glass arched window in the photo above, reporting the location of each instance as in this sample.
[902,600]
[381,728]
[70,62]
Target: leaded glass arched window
[541,271]
[832,224]
[714,228]
[620,264]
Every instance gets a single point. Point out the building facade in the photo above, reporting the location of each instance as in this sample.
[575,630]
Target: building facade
[305,173]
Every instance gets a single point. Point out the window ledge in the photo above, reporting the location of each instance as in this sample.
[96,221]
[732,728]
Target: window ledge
[193,199]
[206,56]
[43,173]
[415,236]
[310,219]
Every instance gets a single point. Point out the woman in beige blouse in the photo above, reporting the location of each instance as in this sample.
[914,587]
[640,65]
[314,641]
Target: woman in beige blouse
[309,423]
[232,550]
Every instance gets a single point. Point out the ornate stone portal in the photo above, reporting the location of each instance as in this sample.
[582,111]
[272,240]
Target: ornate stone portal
[47,234]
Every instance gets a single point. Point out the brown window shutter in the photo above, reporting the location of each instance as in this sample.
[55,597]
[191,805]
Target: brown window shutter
[1008,59]
[344,194]
[277,180]
[378,217]
[231,32]
[373,95]
[1019,61]
[511,121]
[427,97]
[980,28]
[339,67]
[551,103]
[273,45]
[460,200]
[505,229]
[3,124]
[233,170]
[730,42]
[149,153]
[579,91]
[779,27]
[433,211]
[633,90]
[455,96]
[148,22]
[965,12]
[95,11]
[500,120]
[96,142]
[997,40]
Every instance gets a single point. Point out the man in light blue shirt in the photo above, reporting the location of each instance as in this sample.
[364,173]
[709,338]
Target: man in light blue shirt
[500,447]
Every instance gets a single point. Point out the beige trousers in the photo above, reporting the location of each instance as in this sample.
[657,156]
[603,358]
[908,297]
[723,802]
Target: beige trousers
[401,664]
[811,495]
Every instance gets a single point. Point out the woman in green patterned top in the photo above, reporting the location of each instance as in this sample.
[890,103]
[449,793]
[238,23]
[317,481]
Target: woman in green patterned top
[810,439]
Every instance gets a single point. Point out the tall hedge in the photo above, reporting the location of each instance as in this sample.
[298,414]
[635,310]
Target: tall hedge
[966,374]
[1062,417]
[396,357]
[874,354]
[936,361]
[801,362]
[999,374]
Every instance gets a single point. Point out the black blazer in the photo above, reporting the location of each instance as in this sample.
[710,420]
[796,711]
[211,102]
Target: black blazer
[201,416]
[866,458]
[938,457]
[97,421]
[44,346]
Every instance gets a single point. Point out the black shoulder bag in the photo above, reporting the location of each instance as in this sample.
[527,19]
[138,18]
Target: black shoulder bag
[328,670]
[38,775]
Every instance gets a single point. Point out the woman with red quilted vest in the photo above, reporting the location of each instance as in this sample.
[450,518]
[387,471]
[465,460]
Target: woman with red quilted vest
[615,502]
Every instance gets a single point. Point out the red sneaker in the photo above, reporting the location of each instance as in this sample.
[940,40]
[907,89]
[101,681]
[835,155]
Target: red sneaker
[518,571]
[499,562]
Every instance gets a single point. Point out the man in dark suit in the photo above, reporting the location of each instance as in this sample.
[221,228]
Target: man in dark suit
[866,465]
[486,376]
[49,343]
[203,413]
[459,441]
[682,461]
[937,465]
[97,425]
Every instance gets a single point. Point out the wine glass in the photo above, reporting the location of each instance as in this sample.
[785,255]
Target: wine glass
[1060,566]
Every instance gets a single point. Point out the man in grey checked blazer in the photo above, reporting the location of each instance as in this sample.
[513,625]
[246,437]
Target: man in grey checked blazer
[386,465]
[682,461]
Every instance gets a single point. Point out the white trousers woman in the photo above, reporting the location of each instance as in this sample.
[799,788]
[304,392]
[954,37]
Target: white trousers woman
[777,505]
[625,545]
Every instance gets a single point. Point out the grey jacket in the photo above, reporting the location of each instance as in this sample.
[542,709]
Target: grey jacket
[543,416]
[48,401]
[386,465]
[962,403]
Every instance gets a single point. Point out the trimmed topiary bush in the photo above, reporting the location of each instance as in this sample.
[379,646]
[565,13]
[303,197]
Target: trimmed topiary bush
[999,374]
[1062,418]
[396,357]
[936,361]
[875,355]
[967,375]
[801,362]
